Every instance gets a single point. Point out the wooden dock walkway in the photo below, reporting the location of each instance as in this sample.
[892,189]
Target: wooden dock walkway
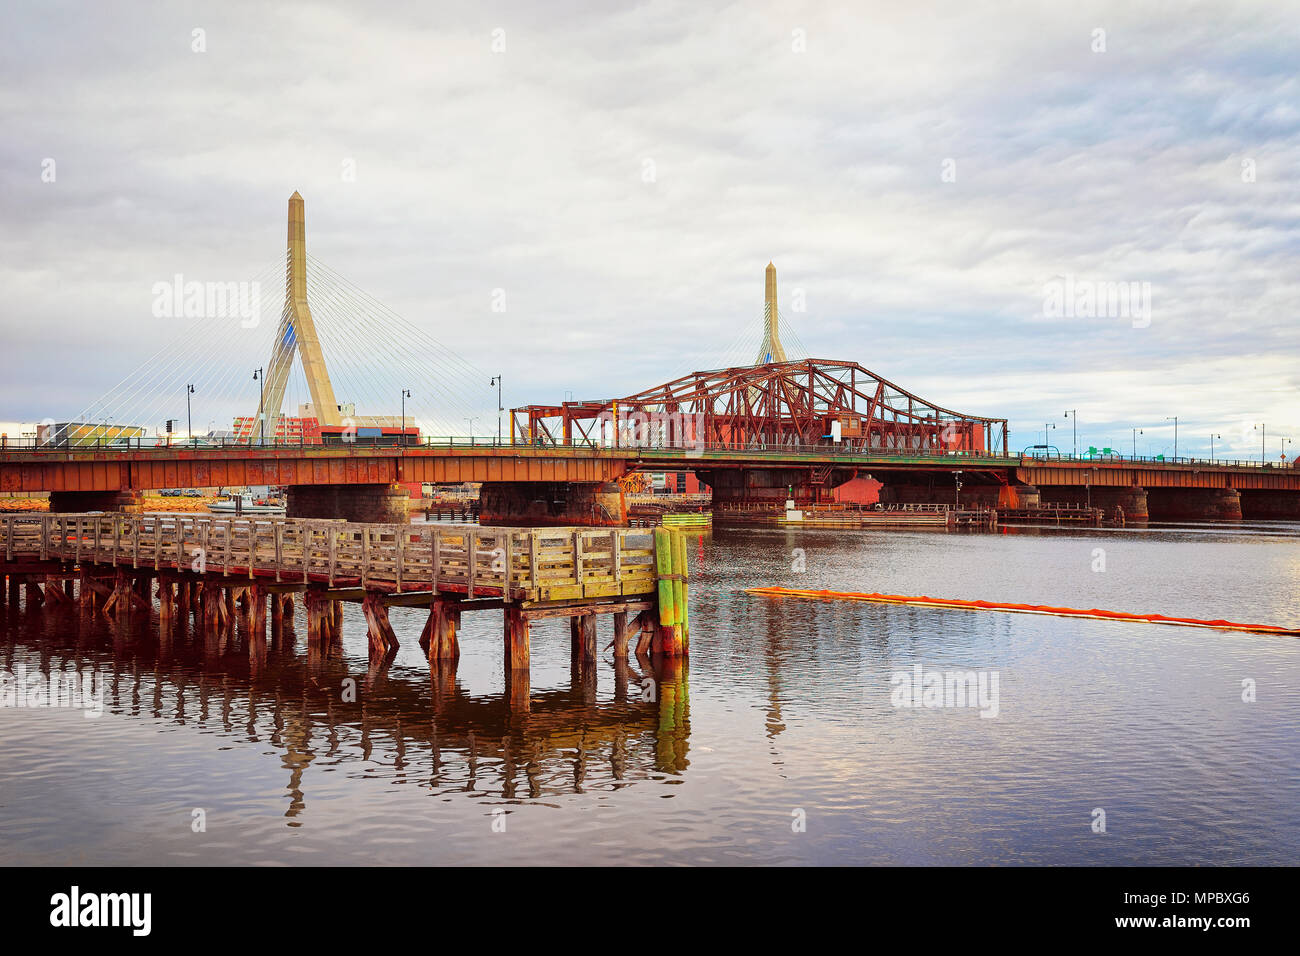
[208,563]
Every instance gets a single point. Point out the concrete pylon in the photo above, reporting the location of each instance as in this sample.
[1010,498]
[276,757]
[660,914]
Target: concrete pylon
[771,350]
[297,333]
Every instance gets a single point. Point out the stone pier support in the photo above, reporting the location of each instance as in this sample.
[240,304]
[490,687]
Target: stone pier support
[1194,504]
[1270,505]
[379,504]
[523,504]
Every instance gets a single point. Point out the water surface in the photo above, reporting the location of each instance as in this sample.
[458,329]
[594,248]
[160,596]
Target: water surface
[783,713]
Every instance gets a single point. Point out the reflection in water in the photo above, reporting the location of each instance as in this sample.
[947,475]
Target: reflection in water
[318,758]
[522,743]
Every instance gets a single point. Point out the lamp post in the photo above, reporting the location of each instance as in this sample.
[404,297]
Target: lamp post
[496,380]
[261,404]
[1073,415]
[1212,437]
[1046,426]
[1260,428]
[406,393]
[1282,448]
[1174,419]
[189,417]
[1136,431]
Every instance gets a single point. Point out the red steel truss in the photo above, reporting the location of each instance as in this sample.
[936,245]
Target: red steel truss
[778,404]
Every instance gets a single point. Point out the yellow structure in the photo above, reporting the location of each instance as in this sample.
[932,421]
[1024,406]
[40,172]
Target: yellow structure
[771,350]
[297,333]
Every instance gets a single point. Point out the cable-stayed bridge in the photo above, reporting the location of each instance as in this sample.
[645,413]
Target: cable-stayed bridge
[331,364]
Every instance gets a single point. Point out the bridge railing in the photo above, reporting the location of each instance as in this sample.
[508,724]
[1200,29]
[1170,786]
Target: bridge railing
[687,451]
[529,563]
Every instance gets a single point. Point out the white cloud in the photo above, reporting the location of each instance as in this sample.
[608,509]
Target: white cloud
[523,170]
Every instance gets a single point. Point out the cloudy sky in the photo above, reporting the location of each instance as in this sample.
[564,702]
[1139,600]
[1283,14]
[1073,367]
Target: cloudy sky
[926,177]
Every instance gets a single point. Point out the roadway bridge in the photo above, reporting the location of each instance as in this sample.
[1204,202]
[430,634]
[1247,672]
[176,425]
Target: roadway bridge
[757,434]
[575,484]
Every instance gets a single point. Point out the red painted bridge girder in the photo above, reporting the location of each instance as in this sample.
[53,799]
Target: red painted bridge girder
[152,468]
[25,471]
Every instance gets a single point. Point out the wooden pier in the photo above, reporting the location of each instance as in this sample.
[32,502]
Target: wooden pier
[216,567]
[891,516]
[1058,514]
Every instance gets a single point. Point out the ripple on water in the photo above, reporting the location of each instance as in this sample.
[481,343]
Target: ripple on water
[787,711]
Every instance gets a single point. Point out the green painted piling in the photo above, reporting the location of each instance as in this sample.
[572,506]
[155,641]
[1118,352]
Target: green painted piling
[663,571]
[681,570]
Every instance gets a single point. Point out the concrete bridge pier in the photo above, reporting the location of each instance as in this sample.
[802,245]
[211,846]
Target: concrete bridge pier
[70,502]
[1195,504]
[529,504]
[377,504]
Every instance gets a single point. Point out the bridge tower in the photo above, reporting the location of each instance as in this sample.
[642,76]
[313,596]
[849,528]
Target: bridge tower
[771,350]
[297,334]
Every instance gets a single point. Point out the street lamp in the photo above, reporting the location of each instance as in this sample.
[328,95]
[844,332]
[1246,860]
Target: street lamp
[1074,415]
[1136,431]
[261,404]
[1282,448]
[189,417]
[1046,426]
[496,380]
[1212,437]
[1174,419]
[1260,428]
[406,393]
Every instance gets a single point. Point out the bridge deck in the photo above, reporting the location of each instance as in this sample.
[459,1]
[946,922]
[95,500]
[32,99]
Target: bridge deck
[517,564]
[89,468]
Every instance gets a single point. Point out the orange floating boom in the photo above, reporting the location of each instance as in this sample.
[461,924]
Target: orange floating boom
[954,604]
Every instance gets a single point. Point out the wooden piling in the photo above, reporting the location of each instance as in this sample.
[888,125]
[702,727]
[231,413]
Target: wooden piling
[681,594]
[211,609]
[255,599]
[383,642]
[587,628]
[54,594]
[315,604]
[517,654]
[445,641]
[647,624]
[620,634]
[166,601]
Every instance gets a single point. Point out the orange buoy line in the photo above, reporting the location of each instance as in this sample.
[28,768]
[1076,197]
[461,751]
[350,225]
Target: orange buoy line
[952,603]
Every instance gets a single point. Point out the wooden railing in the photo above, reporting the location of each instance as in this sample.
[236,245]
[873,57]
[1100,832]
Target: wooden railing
[532,564]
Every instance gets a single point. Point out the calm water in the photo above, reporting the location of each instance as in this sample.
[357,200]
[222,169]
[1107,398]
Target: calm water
[785,707]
